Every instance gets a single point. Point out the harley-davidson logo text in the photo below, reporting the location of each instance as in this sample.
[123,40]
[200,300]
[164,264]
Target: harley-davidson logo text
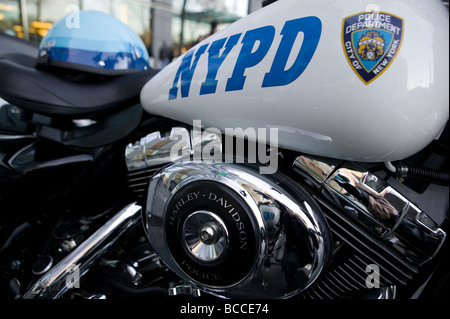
[371,40]
[183,201]
[235,215]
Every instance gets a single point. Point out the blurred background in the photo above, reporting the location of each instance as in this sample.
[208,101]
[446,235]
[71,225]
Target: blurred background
[167,27]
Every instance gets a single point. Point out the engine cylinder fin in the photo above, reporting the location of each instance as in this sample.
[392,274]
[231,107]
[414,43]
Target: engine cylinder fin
[337,290]
[345,278]
[138,180]
[395,268]
[355,275]
[327,290]
[320,292]
[385,279]
[351,275]
[339,281]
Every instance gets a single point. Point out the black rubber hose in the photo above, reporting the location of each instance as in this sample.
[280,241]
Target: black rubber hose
[427,174]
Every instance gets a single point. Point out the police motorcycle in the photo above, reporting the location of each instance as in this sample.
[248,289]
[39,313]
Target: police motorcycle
[301,152]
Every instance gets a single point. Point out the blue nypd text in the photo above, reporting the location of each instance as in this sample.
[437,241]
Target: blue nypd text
[249,57]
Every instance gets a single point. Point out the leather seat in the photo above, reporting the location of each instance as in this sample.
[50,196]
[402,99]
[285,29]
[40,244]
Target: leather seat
[58,95]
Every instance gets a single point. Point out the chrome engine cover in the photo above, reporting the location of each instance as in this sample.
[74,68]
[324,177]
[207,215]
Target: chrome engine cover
[234,233]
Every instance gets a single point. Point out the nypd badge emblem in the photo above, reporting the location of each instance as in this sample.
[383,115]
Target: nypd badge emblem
[371,41]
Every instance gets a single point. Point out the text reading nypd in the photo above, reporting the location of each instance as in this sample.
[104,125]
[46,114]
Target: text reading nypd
[262,38]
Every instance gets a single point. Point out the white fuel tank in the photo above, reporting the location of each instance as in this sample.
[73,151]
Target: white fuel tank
[346,79]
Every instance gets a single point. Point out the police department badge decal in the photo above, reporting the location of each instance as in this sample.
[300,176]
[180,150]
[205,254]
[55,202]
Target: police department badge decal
[371,41]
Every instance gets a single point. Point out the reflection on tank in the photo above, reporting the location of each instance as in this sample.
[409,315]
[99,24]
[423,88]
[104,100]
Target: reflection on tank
[378,207]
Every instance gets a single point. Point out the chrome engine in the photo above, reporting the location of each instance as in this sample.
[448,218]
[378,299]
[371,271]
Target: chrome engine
[226,229]
[319,233]
[318,228]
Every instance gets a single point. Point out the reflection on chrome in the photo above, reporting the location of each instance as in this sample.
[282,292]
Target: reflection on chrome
[205,236]
[54,283]
[156,149]
[371,202]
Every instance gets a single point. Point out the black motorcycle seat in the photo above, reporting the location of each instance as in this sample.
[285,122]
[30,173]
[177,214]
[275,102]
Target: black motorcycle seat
[55,93]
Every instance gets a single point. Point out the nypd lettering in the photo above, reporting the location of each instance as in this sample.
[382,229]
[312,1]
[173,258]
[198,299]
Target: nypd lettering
[371,40]
[262,38]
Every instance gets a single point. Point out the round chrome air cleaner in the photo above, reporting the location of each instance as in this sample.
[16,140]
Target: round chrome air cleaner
[235,233]
[208,230]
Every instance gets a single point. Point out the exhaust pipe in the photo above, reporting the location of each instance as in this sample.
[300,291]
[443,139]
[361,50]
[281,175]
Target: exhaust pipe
[54,283]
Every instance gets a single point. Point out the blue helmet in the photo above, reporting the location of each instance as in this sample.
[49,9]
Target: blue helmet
[98,43]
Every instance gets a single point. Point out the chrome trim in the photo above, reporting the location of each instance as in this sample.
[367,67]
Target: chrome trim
[205,236]
[377,206]
[88,295]
[280,216]
[151,150]
[6,137]
[388,293]
[156,149]
[383,293]
[54,283]
[186,290]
